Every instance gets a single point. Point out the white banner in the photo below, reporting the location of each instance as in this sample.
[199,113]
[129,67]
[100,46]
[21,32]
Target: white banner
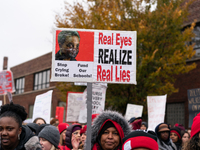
[74,101]
[42,106]
[98,101]
[81,55]
[133,110]
[156,110]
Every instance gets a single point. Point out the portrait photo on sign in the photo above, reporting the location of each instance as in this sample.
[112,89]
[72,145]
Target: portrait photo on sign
[74,45]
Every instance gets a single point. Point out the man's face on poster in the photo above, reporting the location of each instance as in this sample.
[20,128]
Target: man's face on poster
[70,47]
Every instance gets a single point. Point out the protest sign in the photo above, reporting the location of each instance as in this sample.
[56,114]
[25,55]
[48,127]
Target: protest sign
[156,110]
[98,101]
[193,104]
[59,114]
[6,82]
[81,55]
[42,106]
[74,100]
[133,110]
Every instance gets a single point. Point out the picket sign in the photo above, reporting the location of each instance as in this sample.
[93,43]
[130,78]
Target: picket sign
[156,110]
[42,106]
[103,56]
[6,83]
[133,110]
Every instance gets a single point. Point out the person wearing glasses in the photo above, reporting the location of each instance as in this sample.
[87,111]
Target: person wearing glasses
[69,45]
[73,138]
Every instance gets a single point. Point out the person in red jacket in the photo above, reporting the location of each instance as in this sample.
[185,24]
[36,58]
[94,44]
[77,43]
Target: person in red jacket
[108,129]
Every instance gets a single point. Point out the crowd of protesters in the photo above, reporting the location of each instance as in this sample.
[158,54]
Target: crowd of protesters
[110,131]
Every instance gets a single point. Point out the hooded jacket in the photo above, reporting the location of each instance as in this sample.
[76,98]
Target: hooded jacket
[99,122]
[68,144]
[25,135]
[164,145]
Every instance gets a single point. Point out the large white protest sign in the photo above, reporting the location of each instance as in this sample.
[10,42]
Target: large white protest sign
[98,101]
[42,106]
[156,110]
[133,110]
[74,101]
[94,56]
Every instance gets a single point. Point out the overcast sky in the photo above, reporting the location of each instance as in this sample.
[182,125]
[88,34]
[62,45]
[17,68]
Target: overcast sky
[25,28]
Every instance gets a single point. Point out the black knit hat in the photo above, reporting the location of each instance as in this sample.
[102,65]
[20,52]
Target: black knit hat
[51,134]
[33,126]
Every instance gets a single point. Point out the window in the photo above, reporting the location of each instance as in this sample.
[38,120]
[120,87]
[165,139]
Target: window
[19,85]
[196,40]
[41,80]
[176,113]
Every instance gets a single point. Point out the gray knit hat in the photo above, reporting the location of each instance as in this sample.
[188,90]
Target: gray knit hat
[51,134]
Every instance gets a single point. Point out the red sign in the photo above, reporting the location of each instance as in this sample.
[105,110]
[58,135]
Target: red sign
[6,82]
[59,114]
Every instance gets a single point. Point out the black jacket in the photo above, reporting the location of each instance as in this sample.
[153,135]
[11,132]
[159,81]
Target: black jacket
[69,135]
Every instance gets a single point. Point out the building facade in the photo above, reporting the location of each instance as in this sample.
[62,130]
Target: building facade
[32,78]
[177,103]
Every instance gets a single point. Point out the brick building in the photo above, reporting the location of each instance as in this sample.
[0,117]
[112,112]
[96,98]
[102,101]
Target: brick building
[31,79]
[177,103]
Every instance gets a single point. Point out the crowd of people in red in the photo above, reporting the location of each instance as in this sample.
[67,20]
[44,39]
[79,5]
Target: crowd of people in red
[110,131]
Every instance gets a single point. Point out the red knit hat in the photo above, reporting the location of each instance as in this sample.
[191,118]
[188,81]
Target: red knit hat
[62,127]
[195,125]
[136,124]
[140,139]
[83,130]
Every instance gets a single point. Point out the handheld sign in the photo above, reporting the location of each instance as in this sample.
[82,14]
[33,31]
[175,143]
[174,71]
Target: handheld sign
[133,111]
[42,106]
[6,82]
[193,104]
[74,100]
[59,114]
[81,55]
[156,110]
[98,101]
